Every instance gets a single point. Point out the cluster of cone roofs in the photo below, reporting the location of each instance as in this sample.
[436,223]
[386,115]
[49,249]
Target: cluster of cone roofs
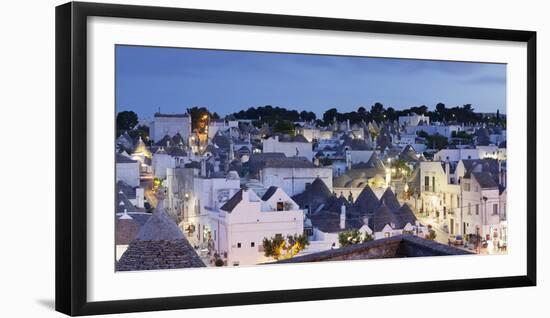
[325,209]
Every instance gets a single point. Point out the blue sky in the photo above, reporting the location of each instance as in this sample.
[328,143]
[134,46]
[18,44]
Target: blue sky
[227,81]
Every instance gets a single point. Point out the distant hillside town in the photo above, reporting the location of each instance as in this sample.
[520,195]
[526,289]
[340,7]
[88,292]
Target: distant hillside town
[272,185]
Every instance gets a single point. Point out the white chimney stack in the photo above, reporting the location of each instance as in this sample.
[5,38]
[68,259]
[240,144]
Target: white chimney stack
[203,168]
[140,202]
[343,217]
[231,150]
[448,170]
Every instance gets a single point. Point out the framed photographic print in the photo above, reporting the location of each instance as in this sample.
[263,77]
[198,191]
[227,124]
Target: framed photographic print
[209,158]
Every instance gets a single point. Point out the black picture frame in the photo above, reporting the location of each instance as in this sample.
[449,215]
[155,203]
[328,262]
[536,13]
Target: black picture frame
[71,157]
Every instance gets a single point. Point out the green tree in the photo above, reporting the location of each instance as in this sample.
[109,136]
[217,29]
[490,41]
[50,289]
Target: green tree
[126,120]
[367,237]
[197,116]
[377,112]
[328,116]
[279,248]
[284,127]
[401,167]
[141,131]
[307,116]
[351,237]
[431,233]
[437,141]
[441,111]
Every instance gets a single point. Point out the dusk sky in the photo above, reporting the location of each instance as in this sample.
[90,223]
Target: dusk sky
[227,81]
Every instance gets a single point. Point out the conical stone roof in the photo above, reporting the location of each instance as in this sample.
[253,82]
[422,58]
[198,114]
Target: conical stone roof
[367,201]
[160,244]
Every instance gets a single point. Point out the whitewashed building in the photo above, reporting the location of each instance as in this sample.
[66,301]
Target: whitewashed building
[237,229]
[455,155]
[170,124]
[222,126]
[294,175]
[206,194]
[299,146]
[165,158]
[127,170]
[414,120]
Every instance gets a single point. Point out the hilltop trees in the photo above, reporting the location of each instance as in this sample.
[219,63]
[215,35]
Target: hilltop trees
[126,120]
[268,114]
[376,112]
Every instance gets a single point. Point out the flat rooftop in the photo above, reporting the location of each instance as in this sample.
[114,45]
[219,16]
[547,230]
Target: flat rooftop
[393,247]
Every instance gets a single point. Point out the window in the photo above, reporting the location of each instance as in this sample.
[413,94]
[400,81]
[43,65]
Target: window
[495,209]
[466,187]
[252,244]
[235,263]
[280,206]
[433,184]
[477,209]
[238,245]
[469,209]
[426,183]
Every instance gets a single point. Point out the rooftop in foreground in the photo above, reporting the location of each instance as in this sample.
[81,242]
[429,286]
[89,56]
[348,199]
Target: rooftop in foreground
[393,247]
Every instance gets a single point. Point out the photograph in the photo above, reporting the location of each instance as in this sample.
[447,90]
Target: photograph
[238,158]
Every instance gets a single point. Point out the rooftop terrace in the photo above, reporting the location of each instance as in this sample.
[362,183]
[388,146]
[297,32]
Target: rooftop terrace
[392,247]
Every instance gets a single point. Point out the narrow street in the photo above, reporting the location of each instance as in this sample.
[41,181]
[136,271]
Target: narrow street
[147,186]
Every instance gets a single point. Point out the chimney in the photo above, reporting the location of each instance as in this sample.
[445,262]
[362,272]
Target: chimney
[203,168]
[160,194]
[246,195]
[140,198]
[501,174]
[348,127]
[448,170]
[343,217]
[231,150]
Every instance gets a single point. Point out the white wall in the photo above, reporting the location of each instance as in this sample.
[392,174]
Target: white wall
[161,162]
[128,172]
[290,149]
[293,180]
[25,38]
[170,126]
